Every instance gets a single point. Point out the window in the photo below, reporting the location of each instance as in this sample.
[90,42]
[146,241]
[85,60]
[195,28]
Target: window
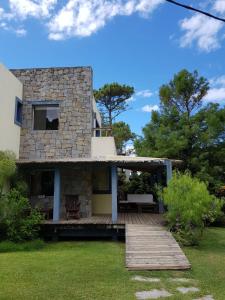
[97,132]
[18,112]
[42,183]
[101,180]
[46,117]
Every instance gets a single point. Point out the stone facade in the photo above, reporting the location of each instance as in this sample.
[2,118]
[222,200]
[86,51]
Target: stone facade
[77,181]
[72,89]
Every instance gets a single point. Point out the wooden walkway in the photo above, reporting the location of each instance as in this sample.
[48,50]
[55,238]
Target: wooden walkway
[152,247]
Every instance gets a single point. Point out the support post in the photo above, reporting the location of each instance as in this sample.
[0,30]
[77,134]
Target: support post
[57,195]
[114,193]
[160,201]
[169,171]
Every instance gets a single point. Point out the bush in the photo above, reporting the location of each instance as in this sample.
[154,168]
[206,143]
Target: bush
[190,207]
[18,221]
[7,167]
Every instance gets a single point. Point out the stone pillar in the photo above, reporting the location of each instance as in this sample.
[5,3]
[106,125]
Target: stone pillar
[114,193]
[57,195]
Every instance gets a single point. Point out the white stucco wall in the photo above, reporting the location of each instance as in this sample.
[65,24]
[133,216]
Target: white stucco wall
[10,88]
[103,146]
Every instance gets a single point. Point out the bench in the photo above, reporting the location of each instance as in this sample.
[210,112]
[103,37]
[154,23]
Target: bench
[140,201]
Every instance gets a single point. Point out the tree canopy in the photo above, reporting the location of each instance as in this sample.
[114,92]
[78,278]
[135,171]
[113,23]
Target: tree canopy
[112,100]
[196,136]
[184,92]
[122,134]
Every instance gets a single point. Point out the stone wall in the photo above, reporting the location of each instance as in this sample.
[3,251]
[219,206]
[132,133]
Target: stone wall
[72,89]
[77,182]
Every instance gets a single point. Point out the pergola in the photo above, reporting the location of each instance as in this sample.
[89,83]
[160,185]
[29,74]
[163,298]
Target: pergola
[145,164]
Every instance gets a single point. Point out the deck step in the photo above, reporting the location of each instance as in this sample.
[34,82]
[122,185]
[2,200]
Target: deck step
[150,247]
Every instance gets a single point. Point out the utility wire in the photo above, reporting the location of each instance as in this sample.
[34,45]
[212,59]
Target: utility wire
[196,10]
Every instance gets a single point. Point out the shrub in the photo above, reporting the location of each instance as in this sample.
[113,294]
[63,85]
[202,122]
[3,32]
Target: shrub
[7,167]
[190,207]
[18,221]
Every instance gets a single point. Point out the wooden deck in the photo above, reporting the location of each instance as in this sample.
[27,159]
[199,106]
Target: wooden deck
[152,247]
[123,219]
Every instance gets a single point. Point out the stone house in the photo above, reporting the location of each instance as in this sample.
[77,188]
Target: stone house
[60,147]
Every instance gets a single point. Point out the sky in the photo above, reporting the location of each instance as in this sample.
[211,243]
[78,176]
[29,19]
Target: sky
[142,43]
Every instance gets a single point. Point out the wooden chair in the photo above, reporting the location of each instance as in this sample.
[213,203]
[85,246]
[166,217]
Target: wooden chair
[72,205]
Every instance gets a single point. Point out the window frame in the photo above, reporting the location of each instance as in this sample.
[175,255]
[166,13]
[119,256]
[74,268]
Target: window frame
[43,104]
[18,101]
[106,191]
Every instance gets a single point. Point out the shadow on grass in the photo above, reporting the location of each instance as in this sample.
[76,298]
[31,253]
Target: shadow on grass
[8,246]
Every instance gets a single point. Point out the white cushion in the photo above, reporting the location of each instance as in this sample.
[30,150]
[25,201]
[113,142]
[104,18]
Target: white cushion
[140,198]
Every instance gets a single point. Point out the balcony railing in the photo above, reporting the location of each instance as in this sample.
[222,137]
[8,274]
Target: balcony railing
[102,132]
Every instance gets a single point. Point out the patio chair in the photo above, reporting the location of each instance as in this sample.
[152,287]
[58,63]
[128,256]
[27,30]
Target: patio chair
[45,209]
[72,205]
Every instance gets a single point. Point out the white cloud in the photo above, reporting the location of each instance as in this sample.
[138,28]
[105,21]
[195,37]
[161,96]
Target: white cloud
[27,8]
[131,99]
[219,6]
[20,32]
[70,18]
[83,18]
[202,30]
[150,108]
[217,81]
[216,93]
[144,93]
[19,10]
[4,16]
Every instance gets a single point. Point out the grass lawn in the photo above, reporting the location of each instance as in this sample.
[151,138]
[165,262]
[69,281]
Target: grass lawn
[95,270]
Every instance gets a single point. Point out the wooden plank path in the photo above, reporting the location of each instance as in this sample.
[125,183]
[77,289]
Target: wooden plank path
[152,247]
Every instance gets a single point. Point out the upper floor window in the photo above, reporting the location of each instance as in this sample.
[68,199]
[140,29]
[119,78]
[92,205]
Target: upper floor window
[18,112]
[46,117]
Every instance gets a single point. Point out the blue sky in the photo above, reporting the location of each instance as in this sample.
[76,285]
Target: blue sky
[137,42]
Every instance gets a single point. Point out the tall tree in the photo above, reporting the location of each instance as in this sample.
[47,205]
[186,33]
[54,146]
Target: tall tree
[197,136]
[185,92]
[112,100]
[122,134]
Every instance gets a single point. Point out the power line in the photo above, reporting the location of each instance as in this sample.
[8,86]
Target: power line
[196,10]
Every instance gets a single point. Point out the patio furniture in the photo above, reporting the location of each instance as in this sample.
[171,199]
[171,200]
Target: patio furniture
[47,212]
[138,202]
[72,205]
[44,207]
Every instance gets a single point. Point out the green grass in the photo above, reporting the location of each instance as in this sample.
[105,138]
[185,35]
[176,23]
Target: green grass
[8,246]
[95,270]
